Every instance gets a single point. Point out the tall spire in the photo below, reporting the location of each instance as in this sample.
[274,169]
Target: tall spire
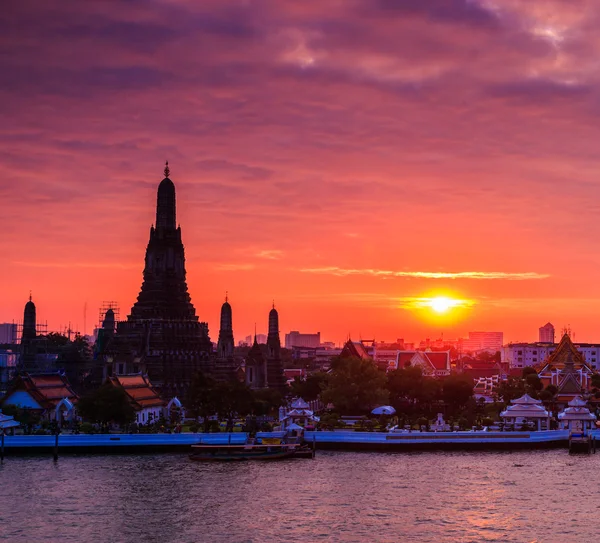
[29,321]
[273,341]
[165,203]
[225,345]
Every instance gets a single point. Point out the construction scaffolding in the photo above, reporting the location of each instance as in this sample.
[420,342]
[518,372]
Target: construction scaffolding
[104,308]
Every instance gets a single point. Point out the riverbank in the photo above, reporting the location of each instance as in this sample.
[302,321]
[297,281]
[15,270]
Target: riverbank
[335,440]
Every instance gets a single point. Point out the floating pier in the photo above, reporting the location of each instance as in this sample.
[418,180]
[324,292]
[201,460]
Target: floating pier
[332,440]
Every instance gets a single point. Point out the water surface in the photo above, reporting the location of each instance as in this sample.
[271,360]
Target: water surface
[537,496]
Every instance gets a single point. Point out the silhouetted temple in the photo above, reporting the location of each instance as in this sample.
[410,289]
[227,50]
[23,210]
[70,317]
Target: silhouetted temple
[225,344]
[28,360]
[163,336]
[264,368]
[275,376]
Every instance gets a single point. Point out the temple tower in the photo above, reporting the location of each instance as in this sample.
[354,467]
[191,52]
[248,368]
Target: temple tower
[256,367]
[225,344]
[28,359]
[275,376]
[29,322]
[163,333]
[273,342]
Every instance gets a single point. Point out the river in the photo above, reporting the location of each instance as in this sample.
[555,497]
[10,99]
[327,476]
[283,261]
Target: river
[537,496]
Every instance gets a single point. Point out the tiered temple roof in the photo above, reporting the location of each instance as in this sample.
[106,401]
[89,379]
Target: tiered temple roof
[139,389]
[432,363]
[566,369]
[162,334]
[47,390]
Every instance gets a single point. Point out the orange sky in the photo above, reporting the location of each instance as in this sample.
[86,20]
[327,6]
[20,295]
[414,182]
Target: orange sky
[324,156]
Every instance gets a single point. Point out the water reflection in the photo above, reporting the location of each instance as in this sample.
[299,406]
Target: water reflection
[428,497]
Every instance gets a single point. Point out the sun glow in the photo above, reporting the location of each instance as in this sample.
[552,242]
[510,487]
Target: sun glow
[438,304]
[441,304]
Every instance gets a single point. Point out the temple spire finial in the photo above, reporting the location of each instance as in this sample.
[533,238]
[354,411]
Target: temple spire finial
[30,296]
[273,304]
[226,295]
[167,171]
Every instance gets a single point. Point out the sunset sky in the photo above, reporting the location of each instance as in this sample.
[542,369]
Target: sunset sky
[347,159]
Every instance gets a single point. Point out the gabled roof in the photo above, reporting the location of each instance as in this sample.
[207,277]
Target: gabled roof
[139,389]
[526,399]
[569,385]
[355,349]
[47,389]
[565,352]
[437,361]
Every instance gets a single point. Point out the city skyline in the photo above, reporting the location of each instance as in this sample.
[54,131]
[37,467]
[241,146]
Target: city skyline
[349,181]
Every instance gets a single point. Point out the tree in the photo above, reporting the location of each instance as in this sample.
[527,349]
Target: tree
[236,401]
[108,404]
[266,401]
[204,399]
[510,389]
[26,416]
[310,388]
[355,386]
[457,390]
[533,384]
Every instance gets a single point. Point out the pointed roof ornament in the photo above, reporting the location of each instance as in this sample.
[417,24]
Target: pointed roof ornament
[273,304]
[167,171]
[30,296]
[226,296]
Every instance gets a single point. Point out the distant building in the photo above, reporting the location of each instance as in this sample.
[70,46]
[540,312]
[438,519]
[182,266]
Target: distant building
[433,364]
[8,333]
[8,363]
[319,356]
[479,341]
[522,355]
[260,339]
[547,333]
[296,339]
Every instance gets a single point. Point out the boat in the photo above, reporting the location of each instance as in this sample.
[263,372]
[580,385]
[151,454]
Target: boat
[233,453]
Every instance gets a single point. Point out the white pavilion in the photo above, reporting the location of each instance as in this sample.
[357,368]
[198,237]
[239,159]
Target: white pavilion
[577,417]
[526,409]
[299,414]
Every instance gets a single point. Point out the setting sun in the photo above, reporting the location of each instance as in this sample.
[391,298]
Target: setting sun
[441,304]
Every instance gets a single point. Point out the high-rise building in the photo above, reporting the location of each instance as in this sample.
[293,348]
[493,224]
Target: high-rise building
[162,335]
[296,339]
[8,333]
[479,341]
[547,333]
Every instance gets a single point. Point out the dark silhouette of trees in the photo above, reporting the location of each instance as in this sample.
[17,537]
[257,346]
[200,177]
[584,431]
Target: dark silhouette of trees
[355,386]
[310,388]
[105,405]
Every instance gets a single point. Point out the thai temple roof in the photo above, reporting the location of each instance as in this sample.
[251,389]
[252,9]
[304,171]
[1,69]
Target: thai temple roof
[139,389]
[525,407]
[47,389]
[355,349]
[439,360]
[525,411]
[526,399]
[299,403]
[577,410]
[565,353]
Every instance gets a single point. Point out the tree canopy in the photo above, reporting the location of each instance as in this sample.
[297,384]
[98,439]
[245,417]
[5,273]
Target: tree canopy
[105,405]
[355,386]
